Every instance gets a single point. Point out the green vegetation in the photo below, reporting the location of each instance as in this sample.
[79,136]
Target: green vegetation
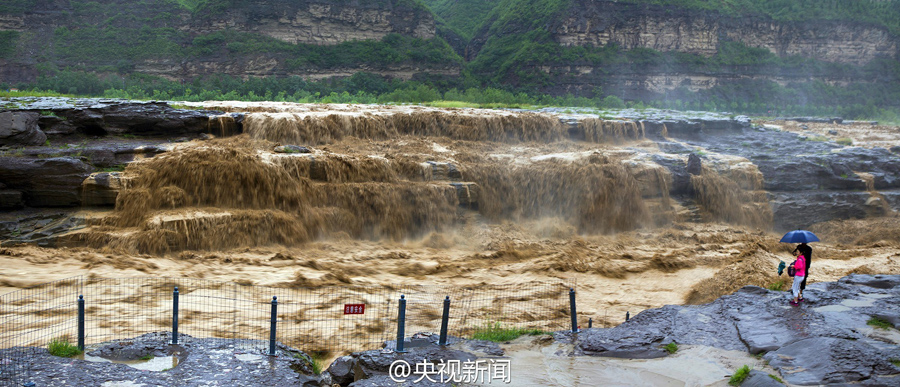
[15,7]
[114,168]
[61,347]
[844,141]
[671,347]
[464,17]
[8,41]
[895,361]
[879,323]
[497,333]
[315,360]
[147,357]
[777,285]
[777,379]
[739,376]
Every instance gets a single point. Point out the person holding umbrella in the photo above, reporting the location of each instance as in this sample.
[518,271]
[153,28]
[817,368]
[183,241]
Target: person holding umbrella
[806,251]
[802,250]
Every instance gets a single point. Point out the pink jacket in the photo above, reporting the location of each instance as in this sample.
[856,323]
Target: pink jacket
[800,266]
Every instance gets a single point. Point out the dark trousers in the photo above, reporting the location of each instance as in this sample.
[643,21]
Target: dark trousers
[803,284]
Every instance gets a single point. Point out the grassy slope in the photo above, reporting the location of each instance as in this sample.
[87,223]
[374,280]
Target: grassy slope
[463,16]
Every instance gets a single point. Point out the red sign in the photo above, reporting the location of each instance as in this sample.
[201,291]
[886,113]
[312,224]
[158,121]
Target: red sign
[354,308]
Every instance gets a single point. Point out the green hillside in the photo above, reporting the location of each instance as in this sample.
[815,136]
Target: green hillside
[105,47]
[463,16]
[109,36]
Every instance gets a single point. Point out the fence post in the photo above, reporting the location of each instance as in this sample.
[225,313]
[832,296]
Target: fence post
[590,323]
[175,316]
[445,319]
[401,324]
[627,316]
[572,308]
[81,323]
[274,320]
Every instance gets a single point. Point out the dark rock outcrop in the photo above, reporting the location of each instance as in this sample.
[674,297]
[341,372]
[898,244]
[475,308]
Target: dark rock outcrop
[133,118]
[825,340]
[20,128]
[53,182]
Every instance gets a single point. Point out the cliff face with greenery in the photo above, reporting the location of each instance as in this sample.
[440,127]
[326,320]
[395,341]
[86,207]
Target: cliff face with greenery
[185,39]
[762,54]
[745,55]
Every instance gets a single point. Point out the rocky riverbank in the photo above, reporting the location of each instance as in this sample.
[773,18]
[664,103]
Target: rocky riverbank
[845,333]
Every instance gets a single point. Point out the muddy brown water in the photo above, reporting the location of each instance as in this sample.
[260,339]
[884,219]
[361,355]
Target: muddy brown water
[459,199]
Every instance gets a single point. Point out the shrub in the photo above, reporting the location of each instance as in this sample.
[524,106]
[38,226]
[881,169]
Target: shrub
[315,360]
[739,376]
[879,323]
[499,334]
[844,141]
[777,285]
[61,347]
[671,347]
[612,102]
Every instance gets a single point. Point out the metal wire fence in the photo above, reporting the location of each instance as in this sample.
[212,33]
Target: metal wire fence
[327,319]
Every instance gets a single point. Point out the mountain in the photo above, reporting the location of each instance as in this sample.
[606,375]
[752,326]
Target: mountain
[750,55]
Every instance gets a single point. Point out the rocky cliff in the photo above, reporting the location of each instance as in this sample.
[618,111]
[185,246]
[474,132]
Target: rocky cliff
[637,50]
[238,38]
[597,23]
[321,22]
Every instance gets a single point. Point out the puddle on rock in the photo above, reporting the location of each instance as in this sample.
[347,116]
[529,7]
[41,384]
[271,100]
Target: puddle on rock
[832,308]
[858,303]
[155,364]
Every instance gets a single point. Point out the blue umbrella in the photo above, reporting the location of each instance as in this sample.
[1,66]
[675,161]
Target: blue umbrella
[799,236]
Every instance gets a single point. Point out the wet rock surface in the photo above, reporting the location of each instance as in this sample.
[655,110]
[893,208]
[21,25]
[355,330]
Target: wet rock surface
[801,174]
[200,362]
[824,341]
[20,128]
[98,117]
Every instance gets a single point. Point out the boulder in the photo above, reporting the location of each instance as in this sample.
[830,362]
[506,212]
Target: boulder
[51,182]
[341,370]
[19,128]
